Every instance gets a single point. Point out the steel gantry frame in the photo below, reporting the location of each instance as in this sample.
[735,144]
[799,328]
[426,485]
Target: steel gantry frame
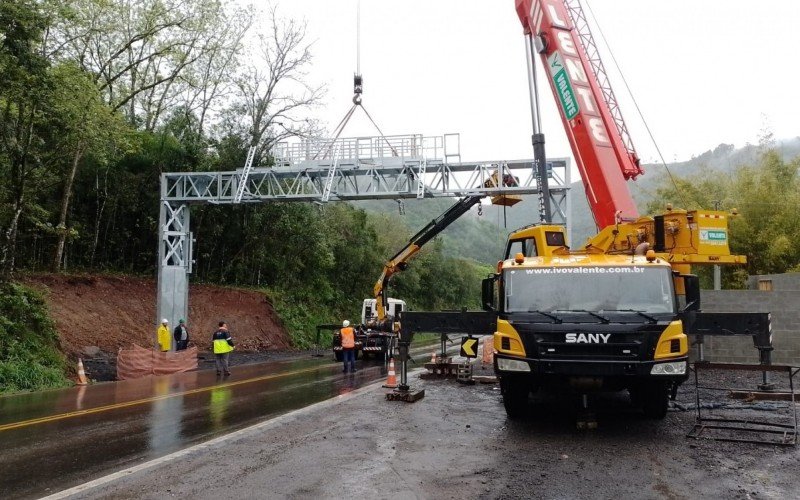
[323,170]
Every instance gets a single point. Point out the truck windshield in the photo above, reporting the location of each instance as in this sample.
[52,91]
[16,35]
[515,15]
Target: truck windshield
[590,288]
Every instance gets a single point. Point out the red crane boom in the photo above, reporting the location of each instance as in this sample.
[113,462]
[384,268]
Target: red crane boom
[596,131]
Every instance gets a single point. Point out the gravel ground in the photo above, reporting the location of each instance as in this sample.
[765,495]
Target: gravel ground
[457,443]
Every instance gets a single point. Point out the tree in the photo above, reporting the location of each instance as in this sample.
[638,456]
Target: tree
[150,55]
[24,91]
[272,94]
[86,126]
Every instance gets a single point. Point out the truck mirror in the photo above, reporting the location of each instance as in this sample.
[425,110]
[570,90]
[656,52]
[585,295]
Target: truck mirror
[691,284]
[487,293]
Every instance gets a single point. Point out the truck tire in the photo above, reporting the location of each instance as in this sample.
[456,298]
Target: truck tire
[515,397]
[654,400]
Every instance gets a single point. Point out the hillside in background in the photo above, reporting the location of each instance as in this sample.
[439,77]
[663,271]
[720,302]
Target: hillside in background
[473,236]
[482,238]
[723,158]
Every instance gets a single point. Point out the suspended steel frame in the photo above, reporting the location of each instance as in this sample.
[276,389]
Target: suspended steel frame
[322,170]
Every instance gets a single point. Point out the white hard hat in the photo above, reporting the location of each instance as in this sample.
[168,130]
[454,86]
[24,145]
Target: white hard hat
[164,321]
[345,324]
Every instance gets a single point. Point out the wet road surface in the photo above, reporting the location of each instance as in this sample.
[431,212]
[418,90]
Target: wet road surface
[52,440]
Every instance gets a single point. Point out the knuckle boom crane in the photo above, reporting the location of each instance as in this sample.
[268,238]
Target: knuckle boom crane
[399,262]
[378,325]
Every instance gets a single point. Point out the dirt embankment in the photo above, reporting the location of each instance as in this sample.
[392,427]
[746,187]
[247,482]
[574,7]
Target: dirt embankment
[109,312]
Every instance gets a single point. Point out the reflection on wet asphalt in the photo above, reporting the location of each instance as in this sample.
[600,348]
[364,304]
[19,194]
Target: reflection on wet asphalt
[57,439]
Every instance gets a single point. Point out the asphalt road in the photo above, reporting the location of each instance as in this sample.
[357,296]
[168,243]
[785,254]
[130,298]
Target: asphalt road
[57,439]
[454,443]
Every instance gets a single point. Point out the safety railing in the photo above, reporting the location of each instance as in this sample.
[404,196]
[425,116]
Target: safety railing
[361,148]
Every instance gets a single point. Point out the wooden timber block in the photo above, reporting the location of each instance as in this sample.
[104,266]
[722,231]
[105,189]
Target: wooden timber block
[405,396]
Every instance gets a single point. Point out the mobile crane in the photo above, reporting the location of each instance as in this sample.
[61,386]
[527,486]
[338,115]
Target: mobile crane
[613,314]
[378,328]
[607,316]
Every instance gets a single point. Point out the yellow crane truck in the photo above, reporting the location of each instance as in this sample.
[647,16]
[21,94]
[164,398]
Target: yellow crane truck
[587,321]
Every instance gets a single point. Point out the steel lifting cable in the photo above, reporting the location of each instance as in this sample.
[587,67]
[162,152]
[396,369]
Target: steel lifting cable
[356,99]
[394,151]
[638,110]
[337,132]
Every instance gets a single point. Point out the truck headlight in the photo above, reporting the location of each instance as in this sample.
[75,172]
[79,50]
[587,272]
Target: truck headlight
[675,368]
[512,365]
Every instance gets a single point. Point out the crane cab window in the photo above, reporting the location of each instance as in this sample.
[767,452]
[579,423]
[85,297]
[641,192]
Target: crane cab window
[555,239]
[526,247]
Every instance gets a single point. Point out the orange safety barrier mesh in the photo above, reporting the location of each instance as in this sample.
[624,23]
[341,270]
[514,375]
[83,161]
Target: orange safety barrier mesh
[137,362]
[488,349]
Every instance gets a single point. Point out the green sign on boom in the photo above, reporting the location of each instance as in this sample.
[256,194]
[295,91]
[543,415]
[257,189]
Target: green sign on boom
[564,87]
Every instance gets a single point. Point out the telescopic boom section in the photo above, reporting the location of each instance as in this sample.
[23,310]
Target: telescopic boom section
[400,261]
[595,132]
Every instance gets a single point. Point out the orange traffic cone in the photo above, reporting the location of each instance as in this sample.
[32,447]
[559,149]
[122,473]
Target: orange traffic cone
[82,380]
[391,380]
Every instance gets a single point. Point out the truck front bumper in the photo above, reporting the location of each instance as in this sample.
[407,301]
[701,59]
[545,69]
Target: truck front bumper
[671,369]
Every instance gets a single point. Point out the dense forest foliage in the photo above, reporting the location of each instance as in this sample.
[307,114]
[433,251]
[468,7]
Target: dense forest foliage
[99,98]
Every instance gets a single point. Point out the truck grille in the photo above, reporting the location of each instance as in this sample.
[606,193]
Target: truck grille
[618,346]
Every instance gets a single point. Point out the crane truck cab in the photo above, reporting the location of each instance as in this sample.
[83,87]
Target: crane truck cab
[583,322]
[369,310]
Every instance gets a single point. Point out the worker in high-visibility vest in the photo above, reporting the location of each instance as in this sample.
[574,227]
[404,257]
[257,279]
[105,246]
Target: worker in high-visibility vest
[348,335]
[222,343]
[164,342]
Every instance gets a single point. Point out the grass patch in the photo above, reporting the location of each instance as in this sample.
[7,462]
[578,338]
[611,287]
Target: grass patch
[29,356]
[300,318]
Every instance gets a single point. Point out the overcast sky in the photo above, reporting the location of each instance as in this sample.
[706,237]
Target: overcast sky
[703,72]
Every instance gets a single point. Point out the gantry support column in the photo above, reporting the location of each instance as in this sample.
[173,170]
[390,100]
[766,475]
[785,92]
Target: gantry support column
[174,263]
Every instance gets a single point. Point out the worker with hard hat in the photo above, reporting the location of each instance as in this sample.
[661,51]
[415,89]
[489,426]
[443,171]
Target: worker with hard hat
[222,343]
[348,336]
[164,342]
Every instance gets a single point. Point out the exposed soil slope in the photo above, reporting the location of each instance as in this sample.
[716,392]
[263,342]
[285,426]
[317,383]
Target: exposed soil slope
[109,312]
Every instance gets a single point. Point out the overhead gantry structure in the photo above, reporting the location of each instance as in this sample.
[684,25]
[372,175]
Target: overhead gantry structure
[345,169]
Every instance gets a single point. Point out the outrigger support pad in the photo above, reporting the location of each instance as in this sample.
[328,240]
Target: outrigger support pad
[403,391]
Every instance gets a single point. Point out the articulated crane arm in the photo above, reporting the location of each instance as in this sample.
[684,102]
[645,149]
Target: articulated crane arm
[400,260]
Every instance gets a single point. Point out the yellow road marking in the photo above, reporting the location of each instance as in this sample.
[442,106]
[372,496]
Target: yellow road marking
[62,416]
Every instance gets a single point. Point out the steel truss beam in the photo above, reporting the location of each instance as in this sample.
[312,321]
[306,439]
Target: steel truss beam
[364,168]
[351,179]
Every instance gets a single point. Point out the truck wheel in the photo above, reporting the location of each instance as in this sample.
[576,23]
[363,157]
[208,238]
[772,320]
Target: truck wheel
[654,400]
[515,397]
[338,355]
